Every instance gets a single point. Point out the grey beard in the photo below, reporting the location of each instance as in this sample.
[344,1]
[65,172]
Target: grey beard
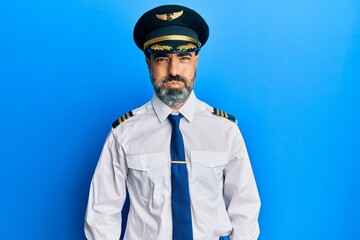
[173,97]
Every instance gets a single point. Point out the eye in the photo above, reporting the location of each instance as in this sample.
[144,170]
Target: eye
[185,58]
[161,59]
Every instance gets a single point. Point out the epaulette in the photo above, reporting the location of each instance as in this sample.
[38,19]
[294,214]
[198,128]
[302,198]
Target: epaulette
[122,119]
[224,114]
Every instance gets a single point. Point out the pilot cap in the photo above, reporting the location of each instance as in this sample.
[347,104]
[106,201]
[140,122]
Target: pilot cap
[170,29]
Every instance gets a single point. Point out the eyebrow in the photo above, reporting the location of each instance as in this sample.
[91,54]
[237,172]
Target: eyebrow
[184,54]
[181,54]
[156,55]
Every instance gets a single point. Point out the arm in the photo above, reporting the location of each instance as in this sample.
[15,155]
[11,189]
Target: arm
[240,192]
[107,193]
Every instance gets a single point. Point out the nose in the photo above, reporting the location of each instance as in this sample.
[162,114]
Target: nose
[173,67]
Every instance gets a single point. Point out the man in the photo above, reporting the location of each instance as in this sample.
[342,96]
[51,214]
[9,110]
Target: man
[184,163]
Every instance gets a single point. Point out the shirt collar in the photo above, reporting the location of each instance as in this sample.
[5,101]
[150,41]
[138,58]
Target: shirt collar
[162,110]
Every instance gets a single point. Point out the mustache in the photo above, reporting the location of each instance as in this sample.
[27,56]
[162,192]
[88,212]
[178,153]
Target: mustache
[174,78]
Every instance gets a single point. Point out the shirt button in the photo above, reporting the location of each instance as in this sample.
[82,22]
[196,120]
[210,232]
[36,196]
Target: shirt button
[147,166]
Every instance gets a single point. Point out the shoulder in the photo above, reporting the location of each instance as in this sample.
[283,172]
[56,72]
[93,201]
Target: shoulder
[223,114]
[130,115]
[122,119]
[216,112]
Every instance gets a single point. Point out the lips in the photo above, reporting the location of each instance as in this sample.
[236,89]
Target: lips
[174,83]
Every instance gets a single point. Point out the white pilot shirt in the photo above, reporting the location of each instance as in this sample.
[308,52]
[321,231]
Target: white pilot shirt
[223,192]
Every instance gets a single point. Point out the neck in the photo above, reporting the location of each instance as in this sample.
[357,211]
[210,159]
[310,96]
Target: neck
[177,107]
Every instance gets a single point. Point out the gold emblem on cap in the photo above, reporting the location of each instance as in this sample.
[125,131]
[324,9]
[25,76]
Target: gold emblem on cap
[169,16]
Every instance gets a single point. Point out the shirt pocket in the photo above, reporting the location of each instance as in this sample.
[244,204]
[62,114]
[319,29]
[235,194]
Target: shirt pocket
[149,174]
[207,173]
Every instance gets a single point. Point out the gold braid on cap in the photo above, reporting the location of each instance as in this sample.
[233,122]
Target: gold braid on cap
[186,47]
[158,47]
[172,38]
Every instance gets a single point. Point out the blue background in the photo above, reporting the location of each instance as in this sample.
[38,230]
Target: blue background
[288,70]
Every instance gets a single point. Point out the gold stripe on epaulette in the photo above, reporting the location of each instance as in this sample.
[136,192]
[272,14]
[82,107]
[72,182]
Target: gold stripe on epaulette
[224,114]
[122,119]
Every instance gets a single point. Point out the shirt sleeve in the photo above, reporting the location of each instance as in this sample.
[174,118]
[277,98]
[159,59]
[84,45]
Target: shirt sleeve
[240,192]
[107,193]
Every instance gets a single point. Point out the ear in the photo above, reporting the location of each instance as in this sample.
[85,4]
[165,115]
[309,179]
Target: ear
[148,62]
[196,58]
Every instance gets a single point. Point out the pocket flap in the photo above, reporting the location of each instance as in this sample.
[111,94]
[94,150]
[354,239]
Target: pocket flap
[146,162]
[209,158]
